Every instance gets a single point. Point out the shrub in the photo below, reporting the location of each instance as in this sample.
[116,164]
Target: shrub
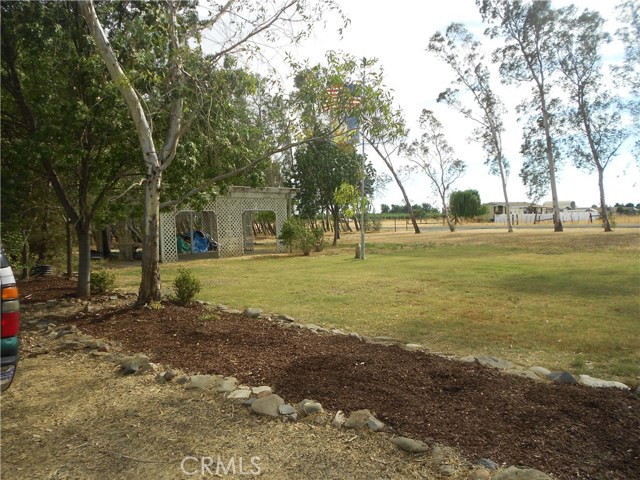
[186,286]
[102,281]
[294,234]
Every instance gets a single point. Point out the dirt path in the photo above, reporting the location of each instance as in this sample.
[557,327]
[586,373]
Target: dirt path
[70,416]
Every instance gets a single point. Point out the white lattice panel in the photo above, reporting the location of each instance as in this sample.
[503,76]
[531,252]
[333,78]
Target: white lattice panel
[168,245]
[223,219]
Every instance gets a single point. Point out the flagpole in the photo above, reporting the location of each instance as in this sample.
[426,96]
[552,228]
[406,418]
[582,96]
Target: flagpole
[362,206]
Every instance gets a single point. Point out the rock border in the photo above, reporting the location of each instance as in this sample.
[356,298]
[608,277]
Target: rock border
[263,401]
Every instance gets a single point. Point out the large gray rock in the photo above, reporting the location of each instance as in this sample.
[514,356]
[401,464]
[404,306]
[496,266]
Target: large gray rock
[268,405]
[310,407]
[239,394]
[135,363]
[358,419]
[562,377]
[540,371]
[252,312]
[494,362]
[410,445]
[514,473]
[375,425]
[225,385]
[202,382]
[598,383]
[286,409]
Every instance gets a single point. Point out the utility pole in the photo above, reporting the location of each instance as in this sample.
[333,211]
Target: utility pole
[362,204]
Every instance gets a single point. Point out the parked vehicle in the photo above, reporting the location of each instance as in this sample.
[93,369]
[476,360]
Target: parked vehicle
[10,325]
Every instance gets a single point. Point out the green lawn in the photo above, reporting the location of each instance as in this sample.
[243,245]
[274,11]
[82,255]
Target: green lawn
[563,300]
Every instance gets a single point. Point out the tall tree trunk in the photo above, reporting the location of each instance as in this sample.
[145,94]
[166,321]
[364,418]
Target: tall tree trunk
[445,213]
[336,227]
[84,260]
[557,220]
[150,286]
[69,249]
[503,178]
[603,205]
[25,259]
[389,165]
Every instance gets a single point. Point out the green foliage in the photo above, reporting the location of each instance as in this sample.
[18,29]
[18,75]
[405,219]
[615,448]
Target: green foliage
[295,235]
[102,281]
[186,286]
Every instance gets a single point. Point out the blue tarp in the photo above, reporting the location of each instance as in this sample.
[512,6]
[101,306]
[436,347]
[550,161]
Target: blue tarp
[201,242]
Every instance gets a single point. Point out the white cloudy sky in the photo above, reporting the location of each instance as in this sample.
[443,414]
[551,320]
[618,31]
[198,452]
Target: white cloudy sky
[397,34]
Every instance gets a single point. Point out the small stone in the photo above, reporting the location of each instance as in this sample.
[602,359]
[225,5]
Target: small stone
[375,425]
[522,373]
[355,335]
[268,405]
[183,379]
[222,308]
[309,407]
[410,445]
[514,473]
[286,318]
[113,297]
[225,385]
[169,375]
[293,417]
[488,464]
[480,474]
[494,362]
[598,383]
[338,419]
[562,377]
[234,311]
[248,402]
[638,390]
[252,312]
[468,359]
[286,409]
[134,363]
[358,419]
[262,391]
[104,347]
[239,395]
[51,303]
[413,346]
[202,382]
[540,371]
[315,328]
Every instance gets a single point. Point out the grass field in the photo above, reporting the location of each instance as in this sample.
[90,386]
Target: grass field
[566,300]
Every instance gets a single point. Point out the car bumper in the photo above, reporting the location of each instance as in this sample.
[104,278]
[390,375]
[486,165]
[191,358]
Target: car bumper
[8,360]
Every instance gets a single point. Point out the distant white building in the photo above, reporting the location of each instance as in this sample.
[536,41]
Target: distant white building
[565,206]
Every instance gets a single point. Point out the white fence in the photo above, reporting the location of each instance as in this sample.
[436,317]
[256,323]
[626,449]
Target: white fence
[531,218]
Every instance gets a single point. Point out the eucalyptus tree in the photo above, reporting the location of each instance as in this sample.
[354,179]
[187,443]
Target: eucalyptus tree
[463,53]
[171,33]
[593,116]
[434,156]
[59,122]
[528,30]
[628,73]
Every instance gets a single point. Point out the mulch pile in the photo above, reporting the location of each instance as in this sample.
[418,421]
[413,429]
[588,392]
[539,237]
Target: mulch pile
[570,431]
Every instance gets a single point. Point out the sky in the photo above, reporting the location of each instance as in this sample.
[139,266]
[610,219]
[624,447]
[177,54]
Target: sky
[397,34]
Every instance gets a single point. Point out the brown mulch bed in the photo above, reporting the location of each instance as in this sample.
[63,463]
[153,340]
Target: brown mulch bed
[570,431]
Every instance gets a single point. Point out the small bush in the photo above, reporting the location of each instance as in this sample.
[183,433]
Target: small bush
[186,286]
[294,234]
[102,281]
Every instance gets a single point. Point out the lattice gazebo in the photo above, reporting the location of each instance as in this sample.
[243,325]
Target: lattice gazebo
[226,220]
